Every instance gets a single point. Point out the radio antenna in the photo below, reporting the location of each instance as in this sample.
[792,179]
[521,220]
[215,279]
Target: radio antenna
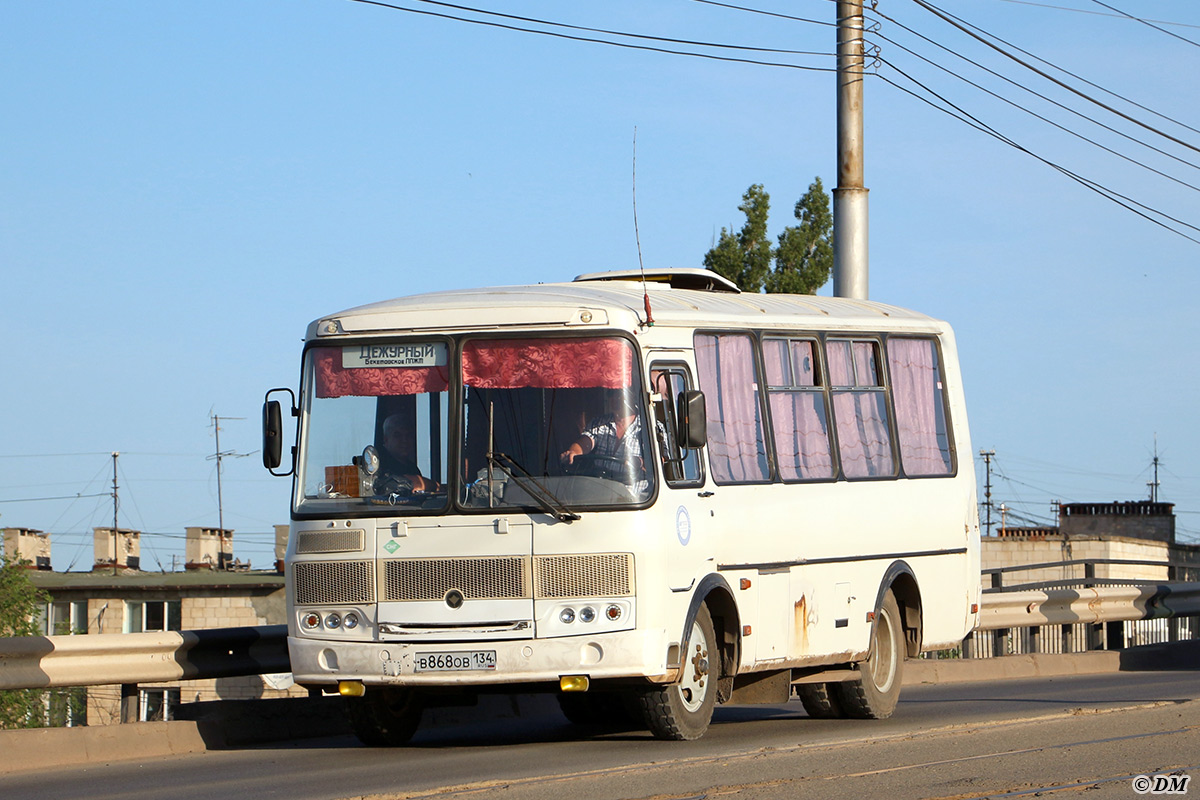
[637,237]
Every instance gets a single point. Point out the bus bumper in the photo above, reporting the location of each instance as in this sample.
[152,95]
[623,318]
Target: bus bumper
[624,654]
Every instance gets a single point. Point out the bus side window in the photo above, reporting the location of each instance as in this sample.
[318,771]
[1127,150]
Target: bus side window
[681,467]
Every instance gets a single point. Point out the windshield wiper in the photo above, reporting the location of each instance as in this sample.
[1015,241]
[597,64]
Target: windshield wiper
[544,497]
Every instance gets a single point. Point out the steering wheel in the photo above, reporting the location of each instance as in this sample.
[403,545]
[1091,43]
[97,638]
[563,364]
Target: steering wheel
[387,485]
[600,467]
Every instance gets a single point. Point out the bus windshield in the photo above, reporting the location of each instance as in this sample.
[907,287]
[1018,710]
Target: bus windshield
[568,412]
[543,424]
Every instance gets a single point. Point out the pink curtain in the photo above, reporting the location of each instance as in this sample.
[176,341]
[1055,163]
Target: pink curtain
[334,380]
[917,393]
[864,437]
[801,438]
[737,451]
[798,417]
[548,364]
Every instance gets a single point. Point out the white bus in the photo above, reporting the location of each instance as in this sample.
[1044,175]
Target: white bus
[647,492]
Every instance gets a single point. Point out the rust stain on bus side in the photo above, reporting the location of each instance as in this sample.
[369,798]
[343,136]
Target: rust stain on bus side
[800,625]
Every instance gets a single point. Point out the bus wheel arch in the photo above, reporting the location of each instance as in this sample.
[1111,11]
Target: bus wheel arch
[895,635]
[902,582]
[715,593]
[707,661]
[683,709]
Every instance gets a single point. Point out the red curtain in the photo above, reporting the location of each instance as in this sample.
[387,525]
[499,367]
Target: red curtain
[548,364]
[334,380]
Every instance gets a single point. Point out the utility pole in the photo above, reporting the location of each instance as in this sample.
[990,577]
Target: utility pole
[987,486]
[850,265]
[217,455]
[115,455]
[1154,484]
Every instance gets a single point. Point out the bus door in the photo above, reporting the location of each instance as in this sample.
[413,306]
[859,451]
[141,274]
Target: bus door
[686,534]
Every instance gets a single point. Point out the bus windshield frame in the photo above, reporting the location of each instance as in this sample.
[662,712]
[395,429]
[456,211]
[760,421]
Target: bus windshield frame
[543,424]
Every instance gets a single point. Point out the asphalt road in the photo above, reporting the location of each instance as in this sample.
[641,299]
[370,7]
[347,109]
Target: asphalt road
[1080,735]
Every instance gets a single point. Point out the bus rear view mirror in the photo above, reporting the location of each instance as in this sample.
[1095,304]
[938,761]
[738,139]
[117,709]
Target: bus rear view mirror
[272,448]
[693,424]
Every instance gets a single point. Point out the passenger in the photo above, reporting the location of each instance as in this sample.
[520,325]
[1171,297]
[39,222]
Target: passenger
[396,457]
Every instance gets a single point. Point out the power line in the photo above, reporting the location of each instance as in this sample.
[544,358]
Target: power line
[1148,23]
[61,497]
[536,21]
[1096,13]
[970,29]
[1110,194]
[570,37]
[1041,96]
[766,13]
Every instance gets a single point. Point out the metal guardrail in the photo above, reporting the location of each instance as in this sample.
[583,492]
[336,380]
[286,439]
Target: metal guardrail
[37,662]
[1094,604]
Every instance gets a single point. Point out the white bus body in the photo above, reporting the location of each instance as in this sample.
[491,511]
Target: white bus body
[824,529]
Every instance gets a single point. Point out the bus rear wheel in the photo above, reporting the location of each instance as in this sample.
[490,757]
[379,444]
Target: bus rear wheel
[821,700]
[874,694]
[683,710]
[385,716]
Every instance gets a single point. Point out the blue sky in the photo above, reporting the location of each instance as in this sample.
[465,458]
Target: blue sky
[187,185]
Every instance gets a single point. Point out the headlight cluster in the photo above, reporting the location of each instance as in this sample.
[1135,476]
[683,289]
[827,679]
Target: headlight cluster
[333,620]
[587,614]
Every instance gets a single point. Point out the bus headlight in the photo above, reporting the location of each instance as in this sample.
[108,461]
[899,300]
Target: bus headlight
[587,614]
[350,622]
[334,620]
[567,615]
[311,620]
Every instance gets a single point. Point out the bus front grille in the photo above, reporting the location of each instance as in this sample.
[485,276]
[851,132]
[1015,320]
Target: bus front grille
[334,582]
[486,578]
[508,577]
[600,575]
[337,541]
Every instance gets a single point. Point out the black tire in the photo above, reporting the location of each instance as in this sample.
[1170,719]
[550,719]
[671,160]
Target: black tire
[821,700]
[874,695]
[682,711]
[601,709]
[385,716]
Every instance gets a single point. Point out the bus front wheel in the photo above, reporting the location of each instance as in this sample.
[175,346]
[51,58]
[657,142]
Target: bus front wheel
[682,711]
[874,695]
[385,716]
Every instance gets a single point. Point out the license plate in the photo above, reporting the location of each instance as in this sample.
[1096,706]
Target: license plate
[468,661]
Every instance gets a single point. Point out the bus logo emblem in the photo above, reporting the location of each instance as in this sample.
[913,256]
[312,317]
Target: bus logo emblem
[683,526]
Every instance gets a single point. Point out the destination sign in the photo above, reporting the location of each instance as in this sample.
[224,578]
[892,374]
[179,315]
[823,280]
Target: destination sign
[408,354]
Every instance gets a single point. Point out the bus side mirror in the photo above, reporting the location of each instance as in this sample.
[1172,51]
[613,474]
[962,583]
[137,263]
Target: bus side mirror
[693,424]
[272,448]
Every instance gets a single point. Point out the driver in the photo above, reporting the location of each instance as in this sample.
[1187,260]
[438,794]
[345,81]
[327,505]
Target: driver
[616,435]
[396,458]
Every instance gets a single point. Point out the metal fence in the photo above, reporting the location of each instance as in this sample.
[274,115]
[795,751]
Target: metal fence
[1052,617]
[1083,610]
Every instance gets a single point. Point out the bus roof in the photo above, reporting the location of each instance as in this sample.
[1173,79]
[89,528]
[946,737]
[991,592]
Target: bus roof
[617,300]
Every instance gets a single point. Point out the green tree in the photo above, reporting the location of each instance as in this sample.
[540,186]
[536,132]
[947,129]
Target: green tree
[20,602]
[745,257]
[801,263]
[804,257]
